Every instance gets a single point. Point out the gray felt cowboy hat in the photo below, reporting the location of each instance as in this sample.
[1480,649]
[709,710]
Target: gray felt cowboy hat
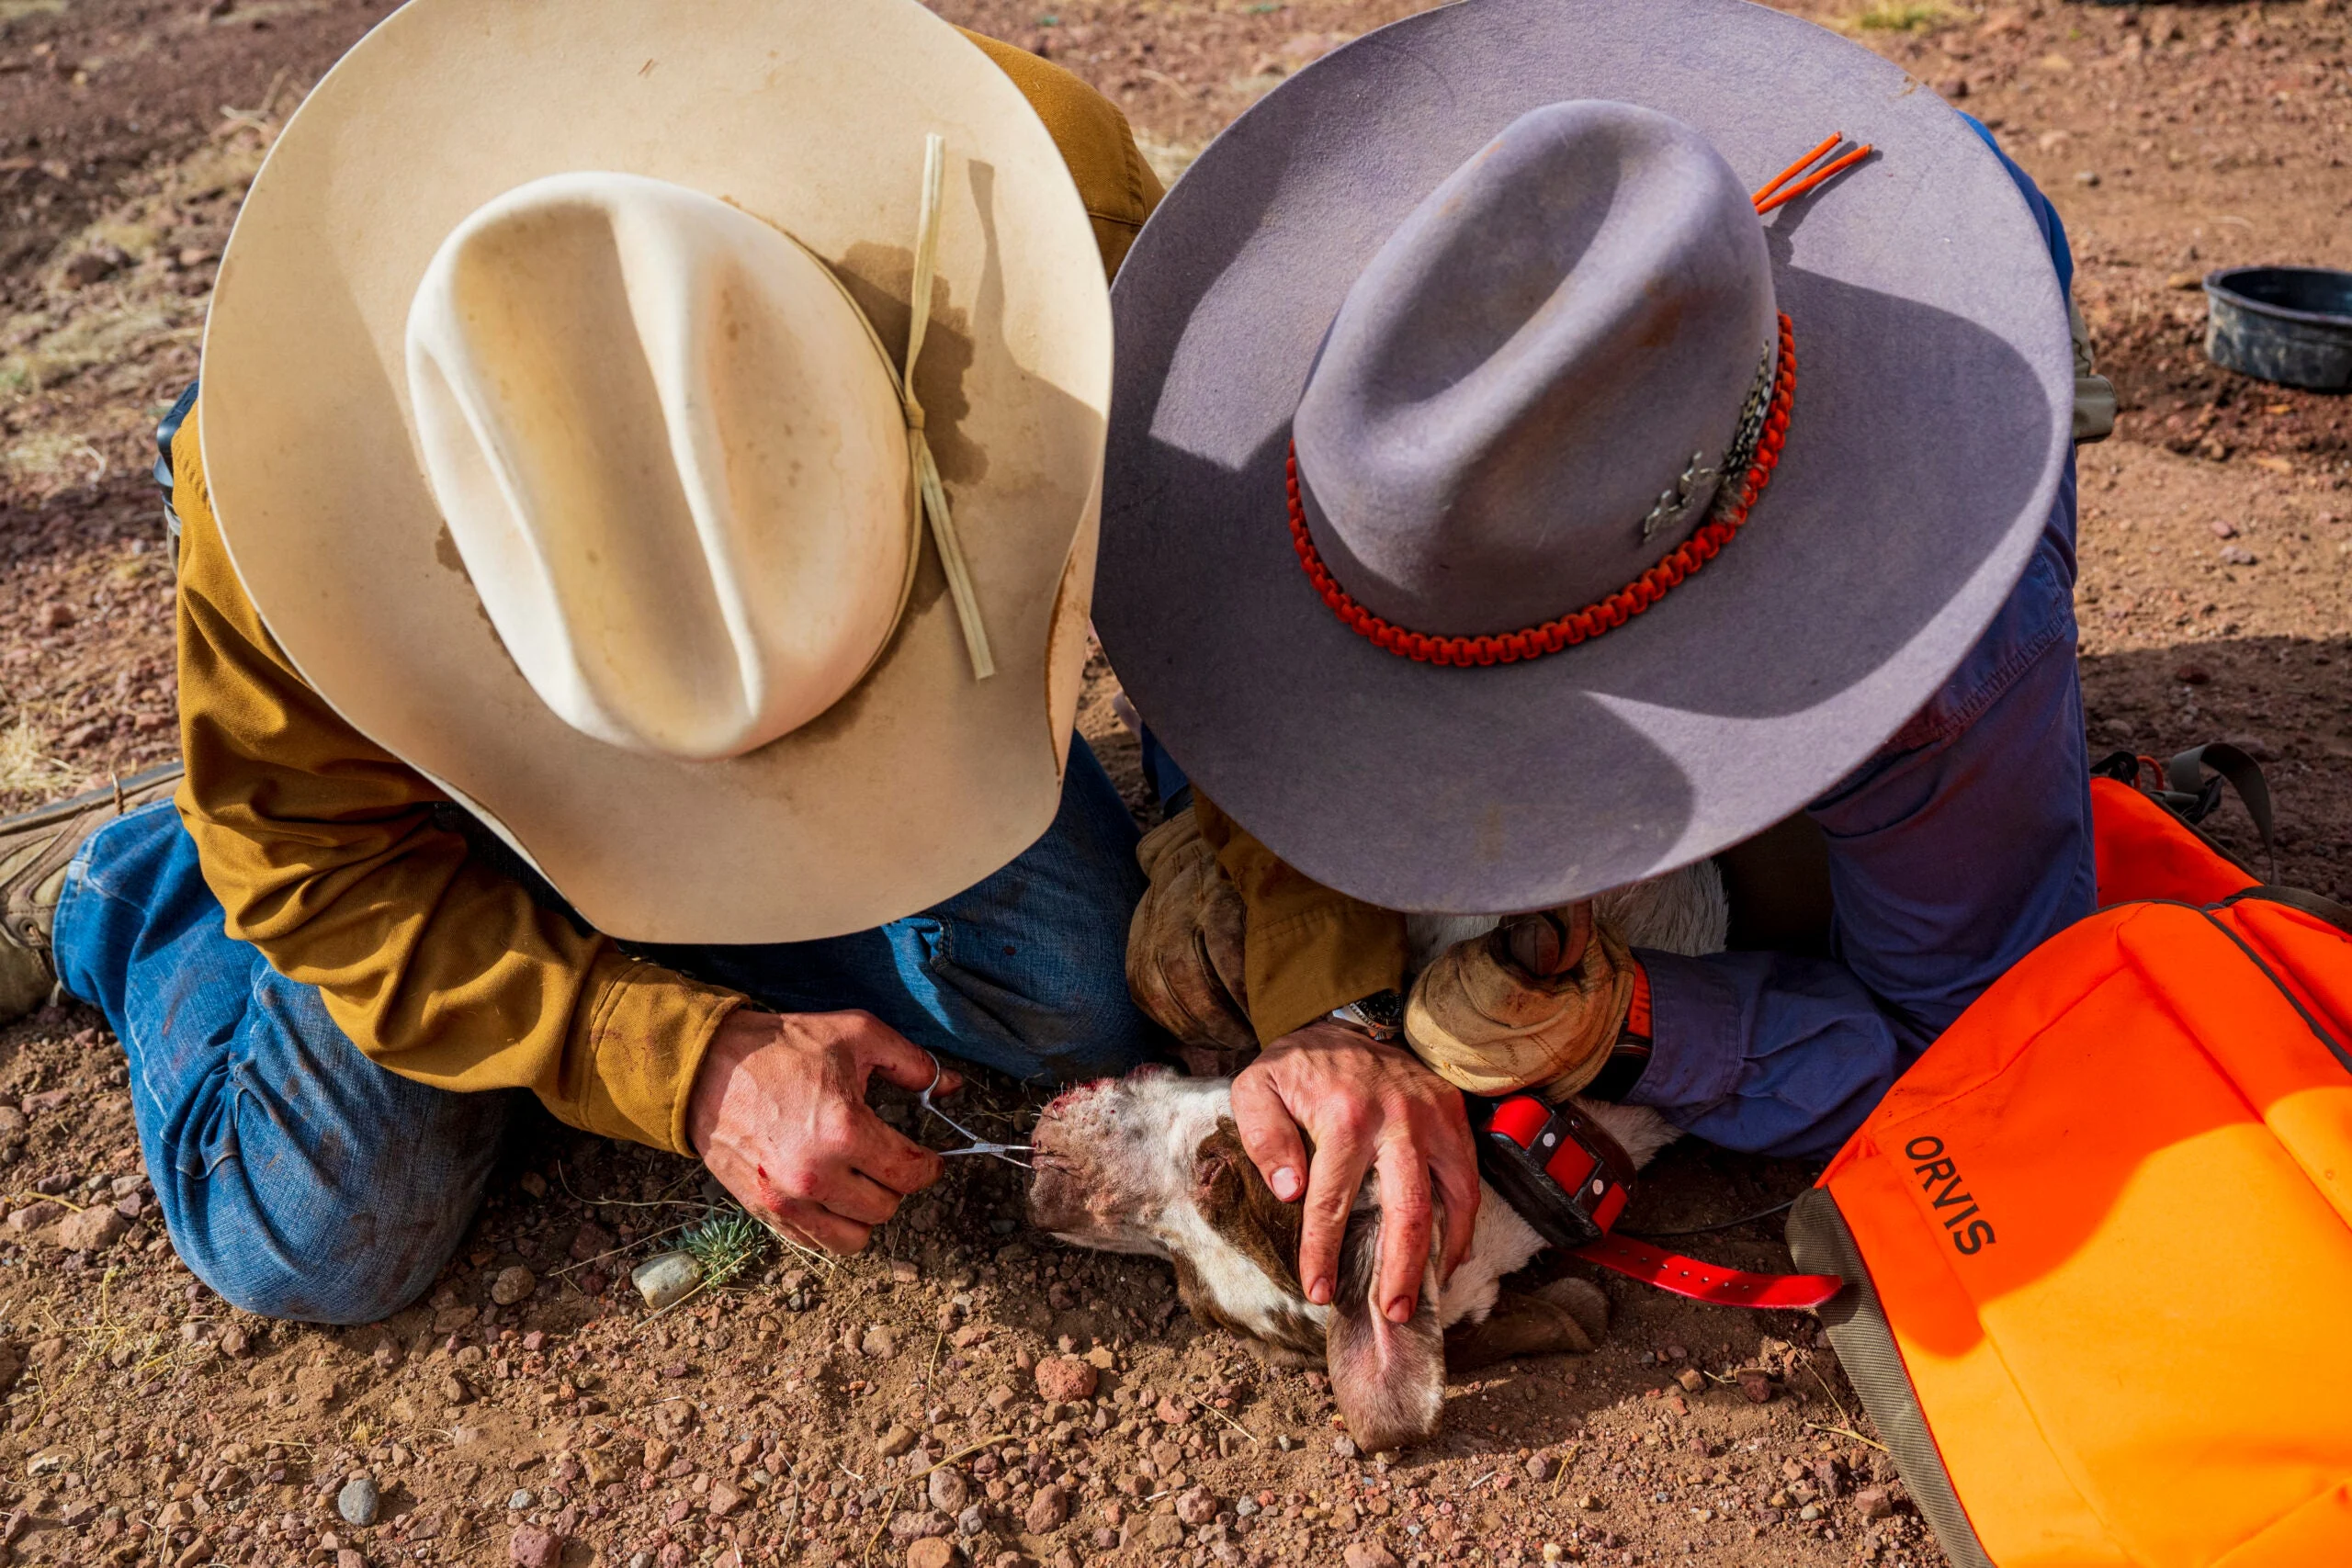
[1581,580]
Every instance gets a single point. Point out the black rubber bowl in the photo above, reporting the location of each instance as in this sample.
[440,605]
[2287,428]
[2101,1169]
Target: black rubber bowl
[2287,325]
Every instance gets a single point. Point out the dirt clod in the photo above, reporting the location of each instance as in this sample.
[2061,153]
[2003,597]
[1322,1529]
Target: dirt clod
[1368,1554]
[933,1552]
[1065,1380]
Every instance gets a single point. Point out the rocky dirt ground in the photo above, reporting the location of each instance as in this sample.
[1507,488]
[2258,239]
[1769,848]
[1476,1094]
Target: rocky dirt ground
[968,1389]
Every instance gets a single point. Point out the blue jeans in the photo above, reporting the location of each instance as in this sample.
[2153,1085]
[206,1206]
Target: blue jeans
[299,1179]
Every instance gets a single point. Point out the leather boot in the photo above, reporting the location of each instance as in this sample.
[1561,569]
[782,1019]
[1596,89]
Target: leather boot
[35,848]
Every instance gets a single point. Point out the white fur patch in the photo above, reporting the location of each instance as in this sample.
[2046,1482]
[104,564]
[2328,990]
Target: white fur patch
[1501,1244]
[1242,1290]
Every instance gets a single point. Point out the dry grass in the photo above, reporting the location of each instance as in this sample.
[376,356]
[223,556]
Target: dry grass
[1912,17]
[1168,159]
[26,767]
[126,330]
[126,316]
[50,461]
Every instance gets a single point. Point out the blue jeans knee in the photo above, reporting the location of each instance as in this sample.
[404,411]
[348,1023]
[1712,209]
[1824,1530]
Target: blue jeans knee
[297,1178]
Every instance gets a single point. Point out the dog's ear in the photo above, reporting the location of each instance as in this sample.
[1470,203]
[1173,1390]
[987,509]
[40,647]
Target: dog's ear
[1389,1378]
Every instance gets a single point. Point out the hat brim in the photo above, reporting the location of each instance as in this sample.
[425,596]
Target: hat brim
[1928,440]
[808,114]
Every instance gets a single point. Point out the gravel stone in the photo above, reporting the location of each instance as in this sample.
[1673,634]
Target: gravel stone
[520,1501]
[1197,1507]
[531,1547]
[34,1215]
[895,1441]
[1542,1467]
[1368,1554]
[663,1281]
[92,1229]
[1048,1510]
[949,1491]
[931,1552]
[359,1501]
[513,1285]
[921,1524]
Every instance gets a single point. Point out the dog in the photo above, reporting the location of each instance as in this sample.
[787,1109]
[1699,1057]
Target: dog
[1152,1165]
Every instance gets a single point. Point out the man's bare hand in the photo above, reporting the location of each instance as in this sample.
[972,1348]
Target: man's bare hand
[1367,1106]
[778,1113]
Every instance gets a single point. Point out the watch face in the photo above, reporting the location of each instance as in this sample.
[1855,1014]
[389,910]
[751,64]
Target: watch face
[1384,1010]
[1380,1015]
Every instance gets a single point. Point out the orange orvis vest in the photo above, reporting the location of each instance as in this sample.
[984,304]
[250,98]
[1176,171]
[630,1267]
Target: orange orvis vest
[2101,1233]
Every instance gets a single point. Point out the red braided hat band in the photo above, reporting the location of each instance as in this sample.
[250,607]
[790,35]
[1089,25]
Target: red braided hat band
[1603,615]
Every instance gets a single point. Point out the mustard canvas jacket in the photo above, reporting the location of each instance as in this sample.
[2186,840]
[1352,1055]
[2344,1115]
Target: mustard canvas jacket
[329,854]
[1305,948]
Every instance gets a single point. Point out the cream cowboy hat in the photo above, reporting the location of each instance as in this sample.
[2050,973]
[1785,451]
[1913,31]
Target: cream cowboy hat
[556,421]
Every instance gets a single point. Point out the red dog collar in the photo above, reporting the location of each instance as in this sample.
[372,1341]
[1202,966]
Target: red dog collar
[1569,1180]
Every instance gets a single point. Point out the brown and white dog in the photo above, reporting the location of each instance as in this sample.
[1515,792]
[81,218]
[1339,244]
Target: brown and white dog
[1151,1164]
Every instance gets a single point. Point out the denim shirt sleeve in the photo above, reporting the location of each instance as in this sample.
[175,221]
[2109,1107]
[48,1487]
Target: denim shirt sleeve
[1954,849]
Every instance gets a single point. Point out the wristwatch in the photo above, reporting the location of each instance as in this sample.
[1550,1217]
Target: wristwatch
[1380,1015]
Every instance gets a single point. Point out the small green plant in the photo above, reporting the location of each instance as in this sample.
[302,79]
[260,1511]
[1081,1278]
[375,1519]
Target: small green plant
[1911,18]
[726,1245]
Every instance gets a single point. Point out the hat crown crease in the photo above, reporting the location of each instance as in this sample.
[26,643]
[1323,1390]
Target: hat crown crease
[1539,349]
[675,468]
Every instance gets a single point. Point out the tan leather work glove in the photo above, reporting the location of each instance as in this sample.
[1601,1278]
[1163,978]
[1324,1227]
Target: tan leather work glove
[1185,949]
[1537,1003]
